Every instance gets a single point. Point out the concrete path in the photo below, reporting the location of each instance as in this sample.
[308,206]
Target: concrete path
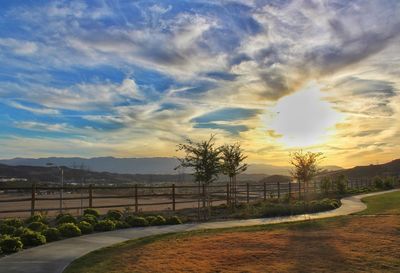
[55,257]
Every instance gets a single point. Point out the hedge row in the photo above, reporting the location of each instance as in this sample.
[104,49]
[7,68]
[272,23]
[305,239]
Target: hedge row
[16,234]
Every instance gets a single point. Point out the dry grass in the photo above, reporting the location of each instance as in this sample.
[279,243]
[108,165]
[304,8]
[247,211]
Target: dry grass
[360,243]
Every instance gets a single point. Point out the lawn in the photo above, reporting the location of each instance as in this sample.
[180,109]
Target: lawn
[366,242]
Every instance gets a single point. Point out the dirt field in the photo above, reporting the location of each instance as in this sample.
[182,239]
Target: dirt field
[354,244]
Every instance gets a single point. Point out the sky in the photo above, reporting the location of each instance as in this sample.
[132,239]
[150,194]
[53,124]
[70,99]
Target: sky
[135,78]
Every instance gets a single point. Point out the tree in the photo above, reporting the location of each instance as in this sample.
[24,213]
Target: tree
[205,160]
[232,165]
[305,166]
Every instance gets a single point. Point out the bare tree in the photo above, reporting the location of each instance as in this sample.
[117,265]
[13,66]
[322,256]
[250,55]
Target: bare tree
[233,165]
[204,159]
[305,166]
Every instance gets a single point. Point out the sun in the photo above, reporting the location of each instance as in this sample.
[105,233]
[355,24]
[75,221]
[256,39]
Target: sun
[303,118]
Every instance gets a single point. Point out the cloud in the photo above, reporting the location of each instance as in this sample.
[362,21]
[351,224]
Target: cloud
[19,47]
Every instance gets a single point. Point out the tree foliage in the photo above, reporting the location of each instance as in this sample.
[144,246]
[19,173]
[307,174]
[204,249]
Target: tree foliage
[203,157]
[305,166]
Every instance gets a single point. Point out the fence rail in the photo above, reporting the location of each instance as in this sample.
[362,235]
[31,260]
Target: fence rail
[22,201]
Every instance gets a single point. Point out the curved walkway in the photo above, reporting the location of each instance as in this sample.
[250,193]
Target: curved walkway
[55,257]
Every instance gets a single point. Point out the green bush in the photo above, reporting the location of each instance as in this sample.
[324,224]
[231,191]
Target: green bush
[93,212]
[378,182]
[51,234]
[326,185]
[19,231]
[66,218]
[174,220]
[136,221]
[10,244]
[14,222]
[85,227]
[389,182]
[91,219]
[37,226]
[36,218]
[114,215]
[121,224]
[341,185]
[7,230]
[32,238]
[104,225]
[69,230]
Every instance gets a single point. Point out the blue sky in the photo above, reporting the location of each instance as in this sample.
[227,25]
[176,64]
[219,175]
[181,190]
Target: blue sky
[134,78]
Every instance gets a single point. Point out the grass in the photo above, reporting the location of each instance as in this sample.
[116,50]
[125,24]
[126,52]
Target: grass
[382,204]
[342,244]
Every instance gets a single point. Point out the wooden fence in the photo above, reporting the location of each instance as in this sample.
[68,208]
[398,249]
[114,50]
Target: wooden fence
[22,201]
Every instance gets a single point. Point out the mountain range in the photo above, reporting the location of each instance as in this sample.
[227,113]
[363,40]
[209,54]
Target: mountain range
[151,165]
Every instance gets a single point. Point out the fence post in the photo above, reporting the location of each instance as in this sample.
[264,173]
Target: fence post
[290,190]
[136,199]
[90,195]
[265,191]
[247,192]
[227,194]
[204,195]
[173,197]
[279,189]
[33,199]
[299,188]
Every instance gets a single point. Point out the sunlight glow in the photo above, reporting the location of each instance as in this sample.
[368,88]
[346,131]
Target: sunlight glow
[303,118]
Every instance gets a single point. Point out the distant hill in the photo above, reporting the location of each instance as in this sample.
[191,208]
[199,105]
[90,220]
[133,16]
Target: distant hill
[391,168]
[151,165]
[276,178]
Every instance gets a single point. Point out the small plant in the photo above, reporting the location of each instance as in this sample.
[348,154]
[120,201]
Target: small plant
[104,225]
[10,244]
[389,182]
[37,226]
[14,222]
[91,219]
[66,218]
[136,221]
[69,230]
[7,230]
[121,224]
[85,227]
[174,220]
[93,212]
[32,238]
[114,215]
[51,234]
[19,231]
[378,182]
[341,185]
[36,218]
[157,221]
[326,185]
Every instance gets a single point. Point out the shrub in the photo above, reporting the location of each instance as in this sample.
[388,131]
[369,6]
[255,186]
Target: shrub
[389,182]
[326,185]
[10,244]
[378,182]
[93,212]
[114,215]
[36,218]
[66,218]
[150,219]
[104,225]
[19,231]
[341,184]
[160,220]
[85,227]
[37,226]
[32,238]
[69,230]
[51,234]
[136,221]
[121,224]
[174,220]
[7,230]
[14,222]
[91,219]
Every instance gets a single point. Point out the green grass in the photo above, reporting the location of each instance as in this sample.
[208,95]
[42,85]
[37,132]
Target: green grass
[101,260]
[382,204]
